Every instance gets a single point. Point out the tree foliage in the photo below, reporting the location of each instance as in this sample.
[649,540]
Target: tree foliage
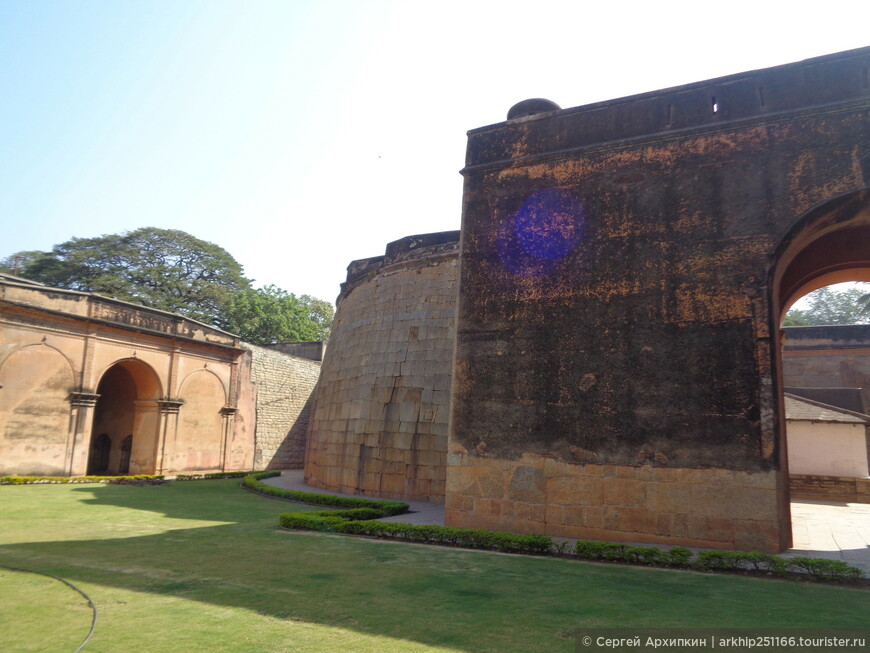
[173,271]
[267,315]
[826,306]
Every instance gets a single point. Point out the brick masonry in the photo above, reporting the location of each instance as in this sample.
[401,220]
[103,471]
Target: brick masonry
[283,386]
[836,488]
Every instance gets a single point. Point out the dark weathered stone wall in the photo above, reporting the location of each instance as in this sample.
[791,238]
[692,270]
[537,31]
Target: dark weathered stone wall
[615,307]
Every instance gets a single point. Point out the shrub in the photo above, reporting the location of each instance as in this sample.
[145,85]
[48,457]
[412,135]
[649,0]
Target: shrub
[677,556]
[210,475]
[821,569]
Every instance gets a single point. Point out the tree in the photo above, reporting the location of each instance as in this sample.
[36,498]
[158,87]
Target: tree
[827,306]
[267,315]
[173,271]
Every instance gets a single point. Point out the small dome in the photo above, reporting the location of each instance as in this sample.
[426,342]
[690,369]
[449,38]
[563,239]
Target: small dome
[531,107]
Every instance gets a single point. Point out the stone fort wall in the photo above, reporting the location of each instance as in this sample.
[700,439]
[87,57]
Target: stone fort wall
[380,416]
[283,387]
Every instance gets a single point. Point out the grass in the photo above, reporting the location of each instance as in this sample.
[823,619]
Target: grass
[203,566]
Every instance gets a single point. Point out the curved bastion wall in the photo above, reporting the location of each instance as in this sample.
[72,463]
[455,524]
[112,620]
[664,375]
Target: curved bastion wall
[379,422]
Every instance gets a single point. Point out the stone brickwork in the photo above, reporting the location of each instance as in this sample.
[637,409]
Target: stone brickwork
[379,423]
[283,386]
[538,494]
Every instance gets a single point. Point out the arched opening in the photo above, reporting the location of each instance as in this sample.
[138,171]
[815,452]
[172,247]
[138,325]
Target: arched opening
[828,245]
[125,429]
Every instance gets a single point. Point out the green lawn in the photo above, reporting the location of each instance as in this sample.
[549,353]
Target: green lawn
[203,566]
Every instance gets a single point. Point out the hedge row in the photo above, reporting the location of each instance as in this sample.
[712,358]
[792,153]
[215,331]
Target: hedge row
[210,475]
[716,560]
[387,508]
[358,522]
[359,519]
[26,480]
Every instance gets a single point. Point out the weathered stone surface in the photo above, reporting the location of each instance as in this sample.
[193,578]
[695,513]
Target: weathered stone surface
[284,384]
[386,374]
[622,265]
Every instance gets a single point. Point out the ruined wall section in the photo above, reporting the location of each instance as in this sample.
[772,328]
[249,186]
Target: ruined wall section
[283,386]
[379,424]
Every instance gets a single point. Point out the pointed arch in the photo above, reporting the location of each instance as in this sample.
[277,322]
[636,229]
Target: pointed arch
[828,244]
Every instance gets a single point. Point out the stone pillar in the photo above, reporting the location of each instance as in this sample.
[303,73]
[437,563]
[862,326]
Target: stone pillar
[168,429]
[228,414]
[81,422]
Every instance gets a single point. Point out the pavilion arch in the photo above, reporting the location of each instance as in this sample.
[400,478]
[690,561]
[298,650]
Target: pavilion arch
[125,433]
[35,385]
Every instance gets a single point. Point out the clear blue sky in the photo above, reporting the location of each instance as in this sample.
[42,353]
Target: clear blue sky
[300,135]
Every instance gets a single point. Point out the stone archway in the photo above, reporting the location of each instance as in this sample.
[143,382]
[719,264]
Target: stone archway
[124,435]
[829,244]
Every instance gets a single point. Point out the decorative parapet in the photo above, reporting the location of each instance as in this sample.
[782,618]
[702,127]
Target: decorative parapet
[98,309]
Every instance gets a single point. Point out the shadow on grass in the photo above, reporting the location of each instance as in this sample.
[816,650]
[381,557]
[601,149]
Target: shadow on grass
[435,596]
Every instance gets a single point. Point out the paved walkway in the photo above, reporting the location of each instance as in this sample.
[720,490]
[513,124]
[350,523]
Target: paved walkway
[821,529]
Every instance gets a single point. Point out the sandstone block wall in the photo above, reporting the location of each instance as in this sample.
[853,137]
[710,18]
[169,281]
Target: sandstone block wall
[539,494]
[283,386]
[379,423]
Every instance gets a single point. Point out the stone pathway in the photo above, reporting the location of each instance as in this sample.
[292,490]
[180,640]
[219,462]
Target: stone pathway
[832,529]
[821,529]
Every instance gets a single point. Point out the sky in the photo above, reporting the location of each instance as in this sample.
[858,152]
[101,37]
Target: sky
[300,135]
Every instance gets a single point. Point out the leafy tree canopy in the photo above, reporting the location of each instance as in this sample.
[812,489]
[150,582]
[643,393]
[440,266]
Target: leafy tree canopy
[827,306]
[269,314]
[173,271]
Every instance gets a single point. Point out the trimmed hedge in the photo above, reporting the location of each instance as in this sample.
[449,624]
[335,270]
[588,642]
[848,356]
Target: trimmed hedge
[388,508]
[358,522]
[360,515]
[32,480]
[210,476]
[799,568]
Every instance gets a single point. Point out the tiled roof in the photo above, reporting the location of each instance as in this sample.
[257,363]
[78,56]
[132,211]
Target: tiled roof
[807,410]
